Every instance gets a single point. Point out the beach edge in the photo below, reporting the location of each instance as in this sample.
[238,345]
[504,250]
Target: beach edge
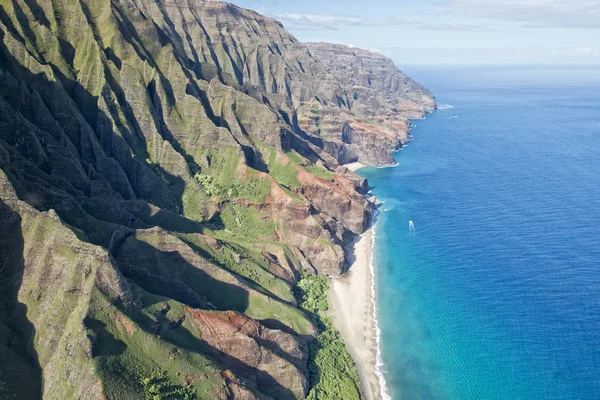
[354,314]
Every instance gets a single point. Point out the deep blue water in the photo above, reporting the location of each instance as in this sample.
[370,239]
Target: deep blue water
[497,295]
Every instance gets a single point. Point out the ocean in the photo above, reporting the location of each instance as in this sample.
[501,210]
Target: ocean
[496,293]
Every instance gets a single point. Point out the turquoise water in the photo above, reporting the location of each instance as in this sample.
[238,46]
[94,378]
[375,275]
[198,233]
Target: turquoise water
[497,295]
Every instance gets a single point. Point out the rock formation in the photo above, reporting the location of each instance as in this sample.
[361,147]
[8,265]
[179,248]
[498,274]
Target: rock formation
[381,99]
[169,169]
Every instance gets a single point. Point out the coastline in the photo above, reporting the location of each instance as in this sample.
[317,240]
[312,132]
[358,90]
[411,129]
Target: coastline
[354,166]
[354,314]
[354,306]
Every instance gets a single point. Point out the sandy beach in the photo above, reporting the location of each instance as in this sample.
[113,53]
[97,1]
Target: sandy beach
[352,312]
[354,166]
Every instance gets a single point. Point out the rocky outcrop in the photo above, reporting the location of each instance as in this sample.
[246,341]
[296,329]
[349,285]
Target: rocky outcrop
[381,99]
[275,360]
[169,169]
[373,81]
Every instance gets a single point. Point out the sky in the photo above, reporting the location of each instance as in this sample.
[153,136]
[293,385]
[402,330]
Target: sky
[449,32]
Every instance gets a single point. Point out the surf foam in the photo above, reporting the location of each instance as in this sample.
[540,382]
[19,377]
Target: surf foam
[379,371]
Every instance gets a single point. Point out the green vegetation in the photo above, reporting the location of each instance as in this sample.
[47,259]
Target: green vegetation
[314,169]
[264,308]
[333,374]
[253,188]
[243,261]
[246,223]
[226,163]
[206,185]
[133,357]
[195,202]
[113,306]
[222,179]
[285,174]
[319,172]
[313,293]
[206,182]
[258,303]
[197,193]
[159,387]
[295,157]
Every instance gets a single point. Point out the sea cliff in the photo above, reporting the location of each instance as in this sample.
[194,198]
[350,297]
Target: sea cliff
[169,171]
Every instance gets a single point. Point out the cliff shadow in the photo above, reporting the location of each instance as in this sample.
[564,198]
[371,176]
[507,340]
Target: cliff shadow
[122,161]
[350,240]
[104,342]
[170,274]
[165,219]
[252,284]
[20,370]
[174,332]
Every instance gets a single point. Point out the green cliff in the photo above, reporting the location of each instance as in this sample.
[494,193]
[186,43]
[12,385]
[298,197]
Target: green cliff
[169,171]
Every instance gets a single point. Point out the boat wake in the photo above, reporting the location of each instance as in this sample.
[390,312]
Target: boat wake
[444,106]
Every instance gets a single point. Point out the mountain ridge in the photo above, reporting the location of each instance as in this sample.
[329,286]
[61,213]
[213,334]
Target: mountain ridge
[163,186]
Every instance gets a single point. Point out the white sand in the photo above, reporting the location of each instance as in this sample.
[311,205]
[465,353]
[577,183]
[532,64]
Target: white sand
[354,166]
[352,312]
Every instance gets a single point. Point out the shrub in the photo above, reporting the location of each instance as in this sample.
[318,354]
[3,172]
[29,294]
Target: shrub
[333,374]
[206,181]
[313,293]
[158,387]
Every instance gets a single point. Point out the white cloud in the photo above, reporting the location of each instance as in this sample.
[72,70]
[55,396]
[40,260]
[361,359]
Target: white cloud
[531,13]
[261,10]
[577,52]
[371,49]
[330,19]
[334,21]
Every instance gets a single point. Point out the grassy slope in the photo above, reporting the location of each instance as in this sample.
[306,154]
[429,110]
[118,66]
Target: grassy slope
[125,360]
[131,350]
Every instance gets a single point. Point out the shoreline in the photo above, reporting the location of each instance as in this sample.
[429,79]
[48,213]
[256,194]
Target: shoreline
[353,299]
[354,314]
[354,166]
